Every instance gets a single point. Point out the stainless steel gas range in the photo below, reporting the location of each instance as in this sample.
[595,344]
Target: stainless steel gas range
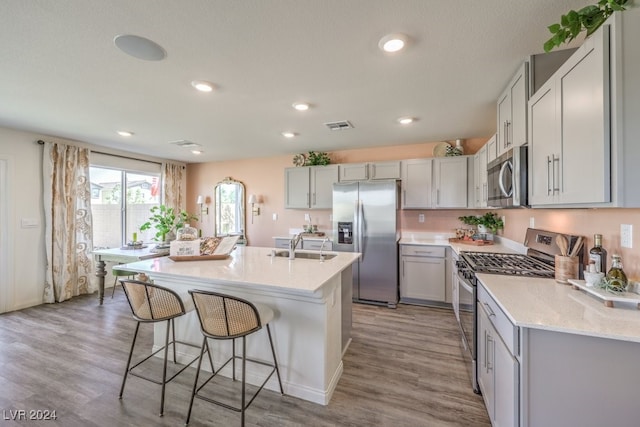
[538,262]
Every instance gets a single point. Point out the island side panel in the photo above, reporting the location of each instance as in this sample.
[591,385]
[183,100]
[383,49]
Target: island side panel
[347,303]
[306,332]
[577,380]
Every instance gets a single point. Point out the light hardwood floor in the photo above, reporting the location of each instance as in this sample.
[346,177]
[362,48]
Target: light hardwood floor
[403,368]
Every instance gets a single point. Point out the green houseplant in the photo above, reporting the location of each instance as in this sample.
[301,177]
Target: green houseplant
[490,220]
[315,158]
[166,221]
[589,18]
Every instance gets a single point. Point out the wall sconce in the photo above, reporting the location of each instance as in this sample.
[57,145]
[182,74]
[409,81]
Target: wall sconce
[255,210]
[204,210]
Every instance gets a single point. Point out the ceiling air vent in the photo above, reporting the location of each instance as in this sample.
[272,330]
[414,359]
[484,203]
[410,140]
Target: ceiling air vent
[341,125]
[184,143]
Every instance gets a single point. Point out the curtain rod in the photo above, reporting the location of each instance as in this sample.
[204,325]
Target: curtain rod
[41,142]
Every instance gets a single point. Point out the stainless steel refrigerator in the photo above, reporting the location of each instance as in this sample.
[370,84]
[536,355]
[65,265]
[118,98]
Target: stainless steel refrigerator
[365,220]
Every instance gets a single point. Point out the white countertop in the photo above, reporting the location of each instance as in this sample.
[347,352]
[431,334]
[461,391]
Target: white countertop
[545,304]
[442,239]
[253,266]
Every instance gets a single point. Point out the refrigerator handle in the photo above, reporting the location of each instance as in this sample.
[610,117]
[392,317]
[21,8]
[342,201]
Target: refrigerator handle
[356,226]
[360,229]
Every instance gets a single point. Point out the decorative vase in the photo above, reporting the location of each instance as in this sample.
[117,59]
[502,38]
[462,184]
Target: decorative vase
[459,146]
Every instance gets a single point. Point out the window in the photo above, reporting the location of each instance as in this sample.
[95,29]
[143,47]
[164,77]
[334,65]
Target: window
[117,214]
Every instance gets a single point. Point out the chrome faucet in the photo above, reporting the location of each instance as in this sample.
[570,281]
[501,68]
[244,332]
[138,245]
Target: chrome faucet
[297,238]
[326,239]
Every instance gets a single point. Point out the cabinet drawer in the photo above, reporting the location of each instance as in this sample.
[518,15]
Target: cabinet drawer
[282,243]
[316,245]
[507,330]
[423,250]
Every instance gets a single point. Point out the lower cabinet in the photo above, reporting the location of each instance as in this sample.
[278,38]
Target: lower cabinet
[310,244]
[498,369]
[422,273]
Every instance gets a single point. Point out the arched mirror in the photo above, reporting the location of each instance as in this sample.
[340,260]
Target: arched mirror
[229,206]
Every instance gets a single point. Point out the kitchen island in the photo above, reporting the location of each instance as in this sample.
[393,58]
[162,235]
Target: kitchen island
[311,301]
[575,360]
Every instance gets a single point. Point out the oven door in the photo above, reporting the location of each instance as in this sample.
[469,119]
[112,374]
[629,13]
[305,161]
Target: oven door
[465,310]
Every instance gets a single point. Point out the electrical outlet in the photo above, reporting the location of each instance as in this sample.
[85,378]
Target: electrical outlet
[307,217]
[504,221]
[532,222]
[626,235]
[275,216]
[421,218]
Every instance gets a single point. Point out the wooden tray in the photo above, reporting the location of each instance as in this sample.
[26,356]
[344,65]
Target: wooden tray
[198,257]
[471,242]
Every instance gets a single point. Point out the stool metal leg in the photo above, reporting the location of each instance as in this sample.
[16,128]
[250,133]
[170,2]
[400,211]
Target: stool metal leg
[164,370]
[244,377]
[275,362]
[126,370]
[195,382]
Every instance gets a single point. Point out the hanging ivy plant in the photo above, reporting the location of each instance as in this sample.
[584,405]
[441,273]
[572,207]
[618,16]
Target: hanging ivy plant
[589,18]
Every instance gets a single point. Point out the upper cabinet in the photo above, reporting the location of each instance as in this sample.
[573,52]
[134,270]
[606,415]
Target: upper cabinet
[369,171]
[310,187]
[512,112]
[480,176]
[416,183]
[491,145]
[569,132]
[450,178]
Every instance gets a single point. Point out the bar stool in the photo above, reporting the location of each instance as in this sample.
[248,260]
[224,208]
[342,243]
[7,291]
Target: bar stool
[224,317]
[151,304]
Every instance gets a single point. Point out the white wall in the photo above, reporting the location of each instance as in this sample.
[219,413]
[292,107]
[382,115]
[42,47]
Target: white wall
[26,255]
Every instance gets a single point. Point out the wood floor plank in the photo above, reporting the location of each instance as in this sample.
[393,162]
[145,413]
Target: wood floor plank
[403,368]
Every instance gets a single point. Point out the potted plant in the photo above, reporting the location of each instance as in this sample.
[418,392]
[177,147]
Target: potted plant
[166,221]
[487,222]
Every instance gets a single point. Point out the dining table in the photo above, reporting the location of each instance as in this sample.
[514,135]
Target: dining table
[123,255]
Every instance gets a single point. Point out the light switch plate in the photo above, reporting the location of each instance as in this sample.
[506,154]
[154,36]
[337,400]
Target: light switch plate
[275,216]
[626,235]
[421,218]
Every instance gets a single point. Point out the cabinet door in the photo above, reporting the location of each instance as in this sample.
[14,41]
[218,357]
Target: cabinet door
[423,278]
[485,351]
[384,170]
[477,193]
[492,148]
[322,180]
[583,96]
[316,245]
[543,144]
[506,385]
[482,174]
[416,183]
[354,172]
[296,191]
[519,96]
[450,176]
[282,243]
[504,118]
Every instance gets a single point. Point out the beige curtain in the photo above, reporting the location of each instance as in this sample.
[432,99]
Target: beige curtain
[68,225]
[172,176]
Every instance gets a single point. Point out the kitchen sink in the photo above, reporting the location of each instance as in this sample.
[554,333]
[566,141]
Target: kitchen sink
[305,255]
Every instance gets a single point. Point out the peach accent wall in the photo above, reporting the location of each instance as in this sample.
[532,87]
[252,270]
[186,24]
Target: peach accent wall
[265,177]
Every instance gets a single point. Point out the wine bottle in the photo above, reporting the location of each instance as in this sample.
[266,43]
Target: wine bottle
[598,254]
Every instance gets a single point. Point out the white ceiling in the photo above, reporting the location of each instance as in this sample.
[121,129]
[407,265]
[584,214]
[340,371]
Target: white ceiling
[61,74]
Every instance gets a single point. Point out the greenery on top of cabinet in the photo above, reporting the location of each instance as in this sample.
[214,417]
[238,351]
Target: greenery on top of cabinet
[589,18]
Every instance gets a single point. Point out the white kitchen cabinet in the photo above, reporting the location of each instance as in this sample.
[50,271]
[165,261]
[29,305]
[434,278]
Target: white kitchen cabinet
[369,171]
[481,178]
[569,130]
[422,273]
[512,111]
[450,179]
[492,148]
[417,183]
[310,187]
[498,369]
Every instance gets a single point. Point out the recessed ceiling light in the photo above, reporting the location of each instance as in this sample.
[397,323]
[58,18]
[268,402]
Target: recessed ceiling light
[288,134]
[124,133]
[202,85]
[406,120]
[196,152]
[393,42]
[301,106]
[139,47]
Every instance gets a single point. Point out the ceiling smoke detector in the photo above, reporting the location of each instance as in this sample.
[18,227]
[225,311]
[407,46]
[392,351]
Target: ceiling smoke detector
[184,143]
[341,125]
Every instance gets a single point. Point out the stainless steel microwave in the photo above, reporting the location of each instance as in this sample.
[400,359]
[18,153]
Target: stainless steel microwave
[507,179]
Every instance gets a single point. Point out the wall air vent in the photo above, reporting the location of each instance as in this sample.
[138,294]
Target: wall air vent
[184,143]
[341,125]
